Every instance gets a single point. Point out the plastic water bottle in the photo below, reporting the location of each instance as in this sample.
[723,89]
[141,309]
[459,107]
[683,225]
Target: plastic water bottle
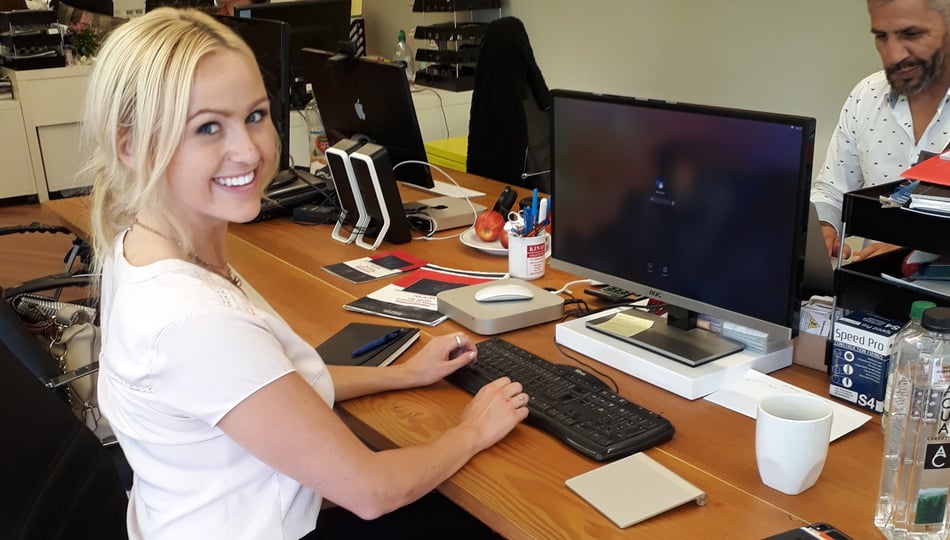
[908,344]
[317,133]
[403,53]
[915,475]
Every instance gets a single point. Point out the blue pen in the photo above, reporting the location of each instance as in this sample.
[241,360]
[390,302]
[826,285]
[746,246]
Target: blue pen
[534,208]
[378,342]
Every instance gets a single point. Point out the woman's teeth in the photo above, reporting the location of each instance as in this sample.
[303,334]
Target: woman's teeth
[234,181]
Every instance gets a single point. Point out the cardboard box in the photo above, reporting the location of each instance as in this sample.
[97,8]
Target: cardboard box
[862,348]
[127,9]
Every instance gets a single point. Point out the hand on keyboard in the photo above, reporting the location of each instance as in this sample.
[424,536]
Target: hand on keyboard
[568,403]
[495,410]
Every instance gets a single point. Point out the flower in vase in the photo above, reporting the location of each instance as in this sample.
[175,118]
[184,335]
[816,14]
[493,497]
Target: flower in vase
[84,38]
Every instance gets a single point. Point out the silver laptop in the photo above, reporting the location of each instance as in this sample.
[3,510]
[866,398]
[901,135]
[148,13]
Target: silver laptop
[819,274]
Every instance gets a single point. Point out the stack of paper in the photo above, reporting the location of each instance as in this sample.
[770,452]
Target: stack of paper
[413,297]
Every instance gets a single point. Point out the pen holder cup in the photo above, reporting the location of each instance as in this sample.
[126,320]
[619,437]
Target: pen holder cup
[528,255]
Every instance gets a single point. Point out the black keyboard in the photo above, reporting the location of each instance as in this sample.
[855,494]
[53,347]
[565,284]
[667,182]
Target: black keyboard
[574,406]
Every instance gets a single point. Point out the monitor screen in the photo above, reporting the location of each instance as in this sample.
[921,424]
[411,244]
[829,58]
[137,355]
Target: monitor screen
[270,41]
[370,101]
[315,24]
[701,207]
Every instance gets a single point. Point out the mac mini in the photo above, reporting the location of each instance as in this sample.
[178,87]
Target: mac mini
[492,316]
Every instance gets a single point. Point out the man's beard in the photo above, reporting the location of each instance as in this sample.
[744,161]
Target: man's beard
[931,69]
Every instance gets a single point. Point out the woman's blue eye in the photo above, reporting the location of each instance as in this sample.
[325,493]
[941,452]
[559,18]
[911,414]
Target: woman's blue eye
[209,129]
[256,116]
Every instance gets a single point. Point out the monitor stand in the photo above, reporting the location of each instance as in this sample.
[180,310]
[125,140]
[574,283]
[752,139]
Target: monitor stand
[676,377]
[674,338]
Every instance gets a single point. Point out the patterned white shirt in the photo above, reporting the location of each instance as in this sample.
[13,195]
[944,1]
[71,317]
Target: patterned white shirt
[873,144]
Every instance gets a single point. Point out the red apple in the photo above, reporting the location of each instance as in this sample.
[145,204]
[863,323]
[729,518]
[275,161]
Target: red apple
[503,238]
[488,225]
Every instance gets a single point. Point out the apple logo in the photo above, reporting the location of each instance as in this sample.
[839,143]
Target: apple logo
[360,113]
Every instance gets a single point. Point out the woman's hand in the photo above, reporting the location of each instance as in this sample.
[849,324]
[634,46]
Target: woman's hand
[440,357]
[496,409]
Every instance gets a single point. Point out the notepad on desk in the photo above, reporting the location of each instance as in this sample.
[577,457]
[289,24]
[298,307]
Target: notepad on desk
[360,338]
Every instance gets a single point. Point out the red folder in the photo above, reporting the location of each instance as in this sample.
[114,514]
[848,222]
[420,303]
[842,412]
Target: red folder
[935,170]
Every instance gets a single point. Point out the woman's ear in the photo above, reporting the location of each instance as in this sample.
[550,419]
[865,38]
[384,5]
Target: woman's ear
[126,155]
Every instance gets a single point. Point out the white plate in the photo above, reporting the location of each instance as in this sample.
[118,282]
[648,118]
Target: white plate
[471,239]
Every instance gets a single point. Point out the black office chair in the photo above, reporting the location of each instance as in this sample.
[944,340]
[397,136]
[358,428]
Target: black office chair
[509,127]
[27,350]
[59,482]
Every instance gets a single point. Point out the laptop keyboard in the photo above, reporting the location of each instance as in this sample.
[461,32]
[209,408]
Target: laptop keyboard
[567,402]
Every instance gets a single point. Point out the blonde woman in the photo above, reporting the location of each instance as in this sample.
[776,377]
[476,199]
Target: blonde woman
[225,414]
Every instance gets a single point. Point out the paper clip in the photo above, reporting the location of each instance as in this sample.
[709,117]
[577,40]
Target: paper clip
[901,195]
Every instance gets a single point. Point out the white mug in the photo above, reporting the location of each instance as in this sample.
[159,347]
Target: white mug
[527,255]
[792,432]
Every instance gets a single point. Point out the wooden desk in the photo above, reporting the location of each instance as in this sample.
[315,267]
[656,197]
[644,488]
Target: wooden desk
[517,487]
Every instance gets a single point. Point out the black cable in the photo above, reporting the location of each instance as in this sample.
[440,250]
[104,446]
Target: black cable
[614,386]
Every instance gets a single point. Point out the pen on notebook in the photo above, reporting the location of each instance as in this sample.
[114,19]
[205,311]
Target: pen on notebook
[378,342]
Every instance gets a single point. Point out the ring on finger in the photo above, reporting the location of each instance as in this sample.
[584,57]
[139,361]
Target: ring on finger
[458,342]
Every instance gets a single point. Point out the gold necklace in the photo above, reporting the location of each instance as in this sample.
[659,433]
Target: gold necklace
[223,271]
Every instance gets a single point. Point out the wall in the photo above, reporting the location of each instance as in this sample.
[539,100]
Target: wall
[797,57]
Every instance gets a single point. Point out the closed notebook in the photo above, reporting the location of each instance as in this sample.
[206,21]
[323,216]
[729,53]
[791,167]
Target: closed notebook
[338,349]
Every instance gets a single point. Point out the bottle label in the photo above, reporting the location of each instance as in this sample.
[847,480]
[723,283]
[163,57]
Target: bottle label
[934,482]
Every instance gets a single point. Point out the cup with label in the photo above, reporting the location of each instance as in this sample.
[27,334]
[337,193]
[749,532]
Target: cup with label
[792,432]
[527,255]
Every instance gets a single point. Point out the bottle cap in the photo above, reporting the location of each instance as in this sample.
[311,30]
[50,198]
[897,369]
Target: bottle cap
[402,35]
[936,319]
[918,308]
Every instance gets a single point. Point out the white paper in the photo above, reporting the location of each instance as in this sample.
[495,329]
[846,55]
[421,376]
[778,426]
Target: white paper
[743,397]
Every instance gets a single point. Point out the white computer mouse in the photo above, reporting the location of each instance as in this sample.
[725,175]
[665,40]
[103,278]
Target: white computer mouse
[503,293]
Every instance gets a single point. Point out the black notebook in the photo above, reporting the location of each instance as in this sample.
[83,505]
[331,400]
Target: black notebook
[339,348]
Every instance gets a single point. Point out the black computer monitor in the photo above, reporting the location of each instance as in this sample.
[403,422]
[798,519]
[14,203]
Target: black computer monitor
[367,100]
[270,41]
[315,24]
[700,207]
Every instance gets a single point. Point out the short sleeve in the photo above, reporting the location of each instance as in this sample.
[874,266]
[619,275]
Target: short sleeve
[208,363]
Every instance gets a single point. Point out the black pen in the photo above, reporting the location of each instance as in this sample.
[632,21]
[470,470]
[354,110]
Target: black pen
[378,342]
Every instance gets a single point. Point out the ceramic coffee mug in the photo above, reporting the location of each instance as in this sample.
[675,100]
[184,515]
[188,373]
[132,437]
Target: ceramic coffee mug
[792,432]
[527,255]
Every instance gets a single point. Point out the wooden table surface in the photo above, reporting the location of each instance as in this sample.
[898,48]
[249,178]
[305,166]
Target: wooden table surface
[517,487]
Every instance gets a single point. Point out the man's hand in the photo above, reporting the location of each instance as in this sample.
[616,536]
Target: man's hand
[877,248]
[832,242]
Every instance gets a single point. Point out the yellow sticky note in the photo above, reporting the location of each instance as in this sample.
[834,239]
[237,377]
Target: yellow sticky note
[622,324]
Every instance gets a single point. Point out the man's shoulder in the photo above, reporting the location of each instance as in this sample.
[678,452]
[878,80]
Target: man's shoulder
[875,85]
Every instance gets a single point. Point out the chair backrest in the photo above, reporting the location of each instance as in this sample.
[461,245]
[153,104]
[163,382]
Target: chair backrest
[58,482]
[509,129]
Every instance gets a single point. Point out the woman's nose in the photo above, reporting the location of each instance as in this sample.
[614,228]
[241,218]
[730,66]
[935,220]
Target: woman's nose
[243,148]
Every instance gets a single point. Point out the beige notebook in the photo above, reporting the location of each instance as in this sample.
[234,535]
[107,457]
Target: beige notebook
[633,489]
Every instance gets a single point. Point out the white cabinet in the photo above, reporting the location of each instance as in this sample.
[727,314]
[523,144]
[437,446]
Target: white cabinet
[51,106]
[17,176]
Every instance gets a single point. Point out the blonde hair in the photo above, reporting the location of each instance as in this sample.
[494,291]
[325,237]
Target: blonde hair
[137,104]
